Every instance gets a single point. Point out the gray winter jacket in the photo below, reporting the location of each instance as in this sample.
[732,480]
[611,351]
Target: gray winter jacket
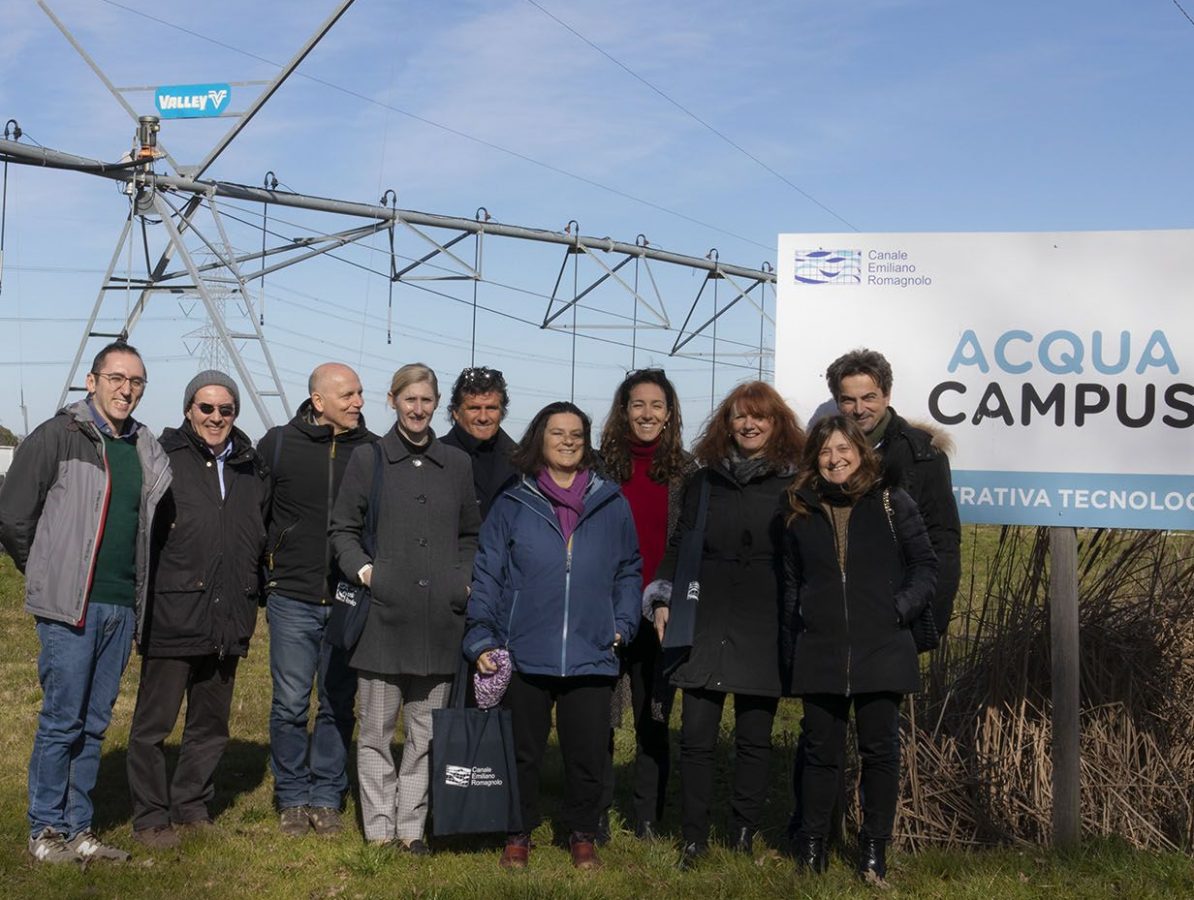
[52,509]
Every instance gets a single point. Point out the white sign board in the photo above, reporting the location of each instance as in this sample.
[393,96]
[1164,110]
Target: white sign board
[1060,364]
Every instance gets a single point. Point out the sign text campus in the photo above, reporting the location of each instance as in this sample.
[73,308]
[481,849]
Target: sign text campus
[1060,365]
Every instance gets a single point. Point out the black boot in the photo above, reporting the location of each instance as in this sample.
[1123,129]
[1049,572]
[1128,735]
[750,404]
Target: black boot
[872,858]
[811,855]
[744,841]
[691,854]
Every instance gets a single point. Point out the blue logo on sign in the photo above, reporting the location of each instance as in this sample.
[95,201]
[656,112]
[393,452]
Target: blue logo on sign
[192,101]
[829,266]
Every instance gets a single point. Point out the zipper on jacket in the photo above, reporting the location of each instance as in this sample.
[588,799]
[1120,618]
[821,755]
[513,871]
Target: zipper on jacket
[845,606]
[567,597]
[327,543]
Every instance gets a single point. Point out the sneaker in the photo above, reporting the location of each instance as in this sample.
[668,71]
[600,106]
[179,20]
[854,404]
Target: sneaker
[157,837]
[325,820]
[294,821]
[87,846]
[49,846]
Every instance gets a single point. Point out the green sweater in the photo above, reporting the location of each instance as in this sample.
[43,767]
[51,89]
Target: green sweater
[114,579]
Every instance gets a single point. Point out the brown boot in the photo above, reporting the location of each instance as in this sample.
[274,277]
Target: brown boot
[584,850]
[518,850]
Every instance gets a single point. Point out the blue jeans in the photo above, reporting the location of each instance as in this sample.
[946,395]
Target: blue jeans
[79,670]
[314,772]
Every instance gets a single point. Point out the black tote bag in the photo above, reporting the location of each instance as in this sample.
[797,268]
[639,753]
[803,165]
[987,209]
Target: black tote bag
[474,779]
[686,588]
[350,606]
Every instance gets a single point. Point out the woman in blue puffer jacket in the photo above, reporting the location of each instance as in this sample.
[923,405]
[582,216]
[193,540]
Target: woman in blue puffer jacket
[557,582]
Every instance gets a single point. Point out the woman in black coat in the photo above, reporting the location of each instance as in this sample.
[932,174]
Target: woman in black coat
[419,576]
[749,449]
[859,568]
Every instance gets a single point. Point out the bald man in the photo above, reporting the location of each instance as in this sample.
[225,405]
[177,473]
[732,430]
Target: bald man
[307,457]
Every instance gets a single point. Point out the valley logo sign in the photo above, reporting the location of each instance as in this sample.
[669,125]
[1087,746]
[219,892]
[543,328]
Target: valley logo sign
[1061,364]
[192,101]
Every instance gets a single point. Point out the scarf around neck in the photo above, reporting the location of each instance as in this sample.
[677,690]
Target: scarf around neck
[746,470]
[567,502]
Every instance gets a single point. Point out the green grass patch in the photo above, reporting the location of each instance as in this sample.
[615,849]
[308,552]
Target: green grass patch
[245,856]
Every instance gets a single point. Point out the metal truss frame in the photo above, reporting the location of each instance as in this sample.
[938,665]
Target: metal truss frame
[177,270]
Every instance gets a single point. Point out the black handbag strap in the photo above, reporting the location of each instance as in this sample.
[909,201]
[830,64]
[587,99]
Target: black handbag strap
[460,685]
[702,506]
[369,534]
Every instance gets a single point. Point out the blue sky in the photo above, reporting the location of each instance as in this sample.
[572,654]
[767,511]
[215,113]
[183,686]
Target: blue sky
[893,115]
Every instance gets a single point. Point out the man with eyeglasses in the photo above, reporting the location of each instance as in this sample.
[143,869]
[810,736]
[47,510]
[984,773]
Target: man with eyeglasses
[75,515]
[307,457]
[478,405]
[207,541]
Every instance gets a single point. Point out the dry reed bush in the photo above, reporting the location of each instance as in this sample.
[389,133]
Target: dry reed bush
[977,767]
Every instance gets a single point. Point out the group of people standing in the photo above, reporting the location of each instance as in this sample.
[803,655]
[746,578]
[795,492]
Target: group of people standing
[552,557]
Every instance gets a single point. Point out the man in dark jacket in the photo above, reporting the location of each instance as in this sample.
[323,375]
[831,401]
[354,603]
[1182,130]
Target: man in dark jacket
[207,540]
[478,405]
[913,459]
[307,458]
[74,515]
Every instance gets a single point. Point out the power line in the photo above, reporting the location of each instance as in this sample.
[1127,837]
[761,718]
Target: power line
[688,112]
[1183,12]
[456,132]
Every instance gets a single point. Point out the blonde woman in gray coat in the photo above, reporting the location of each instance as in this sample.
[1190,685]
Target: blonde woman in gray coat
[409,650]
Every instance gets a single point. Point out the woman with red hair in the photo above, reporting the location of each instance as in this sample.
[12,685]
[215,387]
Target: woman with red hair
[749,450]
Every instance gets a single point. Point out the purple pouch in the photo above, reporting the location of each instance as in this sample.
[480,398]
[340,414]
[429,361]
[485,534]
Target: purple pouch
[491,688]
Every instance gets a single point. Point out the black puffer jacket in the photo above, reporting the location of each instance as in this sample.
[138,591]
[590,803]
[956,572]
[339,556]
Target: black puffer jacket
[306,463]
[846,628]
[913,460]
[206,551]
[735,646]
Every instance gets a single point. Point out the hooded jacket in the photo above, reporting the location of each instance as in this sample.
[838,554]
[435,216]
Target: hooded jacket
[53,506]
[206,550]
[915,459]
[306,464]
[847,627]
[556,605]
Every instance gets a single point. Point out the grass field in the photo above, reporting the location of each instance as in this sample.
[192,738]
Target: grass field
[245,856]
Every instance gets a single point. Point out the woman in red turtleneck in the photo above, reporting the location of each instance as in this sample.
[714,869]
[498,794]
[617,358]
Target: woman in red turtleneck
[642,450]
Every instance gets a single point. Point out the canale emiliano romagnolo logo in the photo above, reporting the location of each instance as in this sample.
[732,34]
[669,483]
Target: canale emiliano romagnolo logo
[828,266]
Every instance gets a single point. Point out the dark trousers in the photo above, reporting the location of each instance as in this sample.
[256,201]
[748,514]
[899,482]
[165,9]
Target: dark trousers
[837,816]
[206,682]
[877,721]
[582,726]
[651,699]
[699,725]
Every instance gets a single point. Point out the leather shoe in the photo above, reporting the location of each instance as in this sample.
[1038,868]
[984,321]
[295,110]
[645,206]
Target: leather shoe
[691,854]
[872,858]
[517,851]
[811,855]
[584,850]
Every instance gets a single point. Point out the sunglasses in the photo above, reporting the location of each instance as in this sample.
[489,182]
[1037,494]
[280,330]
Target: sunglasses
[227,410]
